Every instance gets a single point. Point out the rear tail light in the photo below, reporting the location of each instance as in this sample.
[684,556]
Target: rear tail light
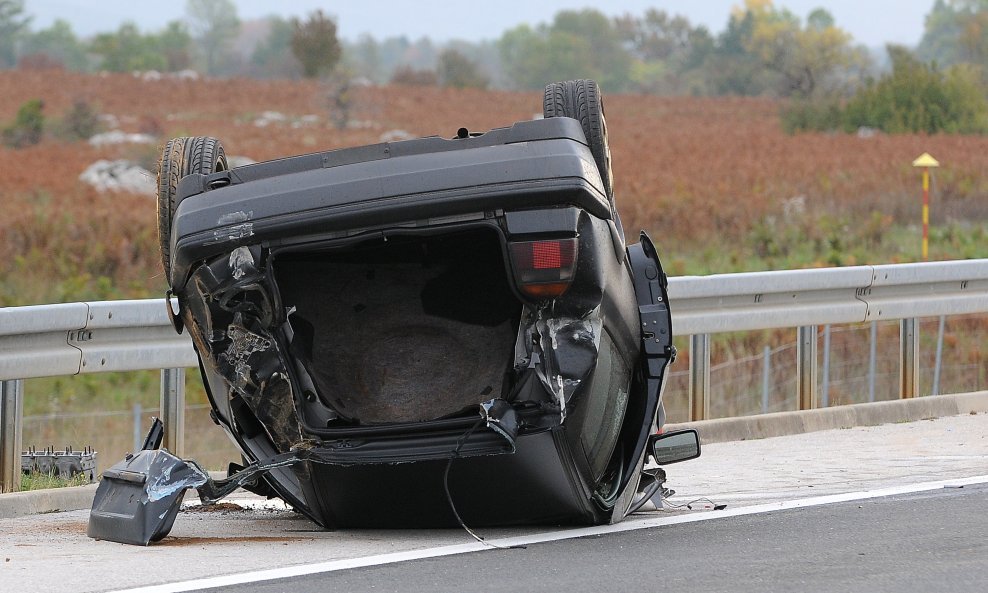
[544,269]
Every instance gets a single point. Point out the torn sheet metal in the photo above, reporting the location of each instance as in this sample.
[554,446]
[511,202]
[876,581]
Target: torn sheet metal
[569,348]
[232,314]
[501,418]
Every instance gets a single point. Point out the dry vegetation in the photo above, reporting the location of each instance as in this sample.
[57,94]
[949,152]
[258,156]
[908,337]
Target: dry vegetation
[715,181]
[705,176]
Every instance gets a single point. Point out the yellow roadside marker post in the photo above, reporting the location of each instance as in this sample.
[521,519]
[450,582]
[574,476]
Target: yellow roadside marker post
[925,161]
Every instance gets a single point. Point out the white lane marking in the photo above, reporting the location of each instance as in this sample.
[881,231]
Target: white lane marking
[628,525]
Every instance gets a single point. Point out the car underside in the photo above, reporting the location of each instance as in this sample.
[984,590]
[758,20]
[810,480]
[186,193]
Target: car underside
[425,332]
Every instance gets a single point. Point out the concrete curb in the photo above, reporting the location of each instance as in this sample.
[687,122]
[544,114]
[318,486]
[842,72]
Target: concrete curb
[17,504]
[786,423]
[33,502]
[70,498]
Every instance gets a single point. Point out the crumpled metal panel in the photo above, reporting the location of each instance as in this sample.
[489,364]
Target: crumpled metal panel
[567,350]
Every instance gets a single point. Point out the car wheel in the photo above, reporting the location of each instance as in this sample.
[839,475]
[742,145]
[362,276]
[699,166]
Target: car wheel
[581,100]
[181,157]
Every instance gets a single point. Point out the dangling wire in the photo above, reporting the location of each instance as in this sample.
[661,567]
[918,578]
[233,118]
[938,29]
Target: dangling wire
[646,496]
[691,505]
[449,498]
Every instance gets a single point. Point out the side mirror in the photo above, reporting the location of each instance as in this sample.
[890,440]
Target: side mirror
[676,446]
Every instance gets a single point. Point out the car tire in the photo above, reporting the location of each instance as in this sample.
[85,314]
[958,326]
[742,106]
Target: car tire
[581,100]
[180,157]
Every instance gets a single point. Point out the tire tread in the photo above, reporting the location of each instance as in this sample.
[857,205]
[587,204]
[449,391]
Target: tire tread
[180,157]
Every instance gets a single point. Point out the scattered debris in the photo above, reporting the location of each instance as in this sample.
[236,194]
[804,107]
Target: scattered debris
[61,464]
[216,507]
[119,175]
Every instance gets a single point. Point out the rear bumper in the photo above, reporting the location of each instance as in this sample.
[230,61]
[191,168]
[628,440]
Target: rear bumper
[539,483]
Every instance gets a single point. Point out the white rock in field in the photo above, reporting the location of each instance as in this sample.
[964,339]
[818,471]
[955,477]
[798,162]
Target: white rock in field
[121,137]
[119,175]
[147,74]
[794,208]
[306,121]
[395,136]
[269,117]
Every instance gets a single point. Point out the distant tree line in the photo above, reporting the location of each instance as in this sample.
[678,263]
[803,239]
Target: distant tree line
[211,40]
[764,50]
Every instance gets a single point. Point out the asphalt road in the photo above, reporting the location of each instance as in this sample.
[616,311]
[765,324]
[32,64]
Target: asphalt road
[247,541]
[929,541]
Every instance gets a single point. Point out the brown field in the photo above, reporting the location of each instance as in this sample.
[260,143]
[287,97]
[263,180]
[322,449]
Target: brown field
[699,174]
[706,177]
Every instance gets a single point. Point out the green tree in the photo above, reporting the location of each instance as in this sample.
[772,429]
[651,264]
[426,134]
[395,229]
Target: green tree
[315,45]
[214,25]
[918,97]
[174,44]
[365,57]
[57,43]
[27,127]
[80,122]
[273,58]
[126,50]
[914,97]
[956,31]
[656,35]
[668,52]
[12,25]
[731,68]
[805,58]
[577,44]
[456,70]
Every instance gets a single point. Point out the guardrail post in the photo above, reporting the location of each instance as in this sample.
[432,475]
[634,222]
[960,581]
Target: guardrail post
[909,355]
[699,376]
[173,410]
[939,358]
[806,366]
[11,418]
[766,376]
[872,356]
[825,395]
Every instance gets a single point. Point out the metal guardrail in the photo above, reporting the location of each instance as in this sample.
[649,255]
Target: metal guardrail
[76,338]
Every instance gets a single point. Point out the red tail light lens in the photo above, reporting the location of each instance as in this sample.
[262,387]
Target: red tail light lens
[544,269]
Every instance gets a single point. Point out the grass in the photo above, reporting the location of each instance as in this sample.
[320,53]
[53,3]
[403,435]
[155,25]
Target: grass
[39,481]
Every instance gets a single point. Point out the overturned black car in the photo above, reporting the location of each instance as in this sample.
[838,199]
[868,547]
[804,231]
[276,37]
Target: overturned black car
[366,316]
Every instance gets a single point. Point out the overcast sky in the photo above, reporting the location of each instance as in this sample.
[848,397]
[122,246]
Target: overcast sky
[872,22]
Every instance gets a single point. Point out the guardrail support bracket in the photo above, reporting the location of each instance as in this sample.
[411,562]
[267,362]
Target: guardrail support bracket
[909,356]
[11,417]
[806,352]
[699,376]
[173,410]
